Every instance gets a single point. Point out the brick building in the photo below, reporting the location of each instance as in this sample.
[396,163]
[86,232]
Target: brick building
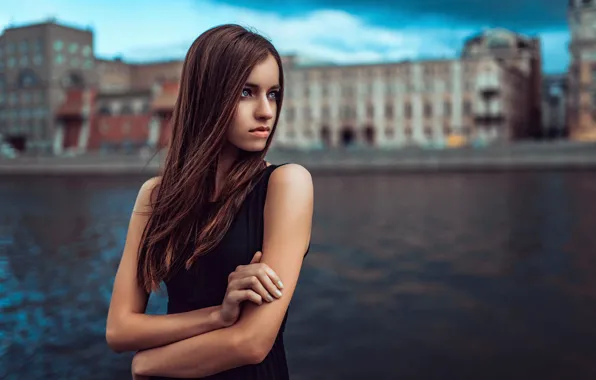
[516,53]
[83,103]
[38,64]
[581,100]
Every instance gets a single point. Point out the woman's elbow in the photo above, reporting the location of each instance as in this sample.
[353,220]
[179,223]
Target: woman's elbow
[115,340]
[255,349]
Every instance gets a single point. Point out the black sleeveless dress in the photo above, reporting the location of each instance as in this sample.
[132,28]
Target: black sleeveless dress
[205,283]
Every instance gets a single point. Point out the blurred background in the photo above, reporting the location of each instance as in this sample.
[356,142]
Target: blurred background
[452,145]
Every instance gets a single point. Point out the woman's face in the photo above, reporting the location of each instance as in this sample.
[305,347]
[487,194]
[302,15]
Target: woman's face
[255,114]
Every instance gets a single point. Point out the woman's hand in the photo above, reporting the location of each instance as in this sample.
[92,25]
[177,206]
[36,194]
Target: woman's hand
[255,282]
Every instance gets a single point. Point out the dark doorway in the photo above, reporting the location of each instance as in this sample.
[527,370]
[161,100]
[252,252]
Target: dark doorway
[347,136]
[369,135]
[18,142]
[326,136]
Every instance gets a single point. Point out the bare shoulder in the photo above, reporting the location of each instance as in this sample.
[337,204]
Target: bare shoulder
[290,186]
[291,175]
[147,195]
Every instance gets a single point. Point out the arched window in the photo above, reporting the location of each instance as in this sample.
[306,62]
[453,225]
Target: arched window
[27,78]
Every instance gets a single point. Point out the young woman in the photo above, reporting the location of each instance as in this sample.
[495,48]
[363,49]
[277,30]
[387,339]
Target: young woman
[223,229]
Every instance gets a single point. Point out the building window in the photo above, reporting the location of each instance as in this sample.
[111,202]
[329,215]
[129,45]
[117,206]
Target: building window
[58,45]
[23,47]
[408,132]
[86,51]
[88,64]
[467,107]
[325,113]
[428,132]
[428,110]
[73,48]
[408,111]
[37,45]
[388,111]
[104,110]
[27,78]
[126,110]
[370,111]
[59,59]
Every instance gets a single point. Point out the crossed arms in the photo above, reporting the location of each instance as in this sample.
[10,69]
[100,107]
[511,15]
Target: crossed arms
[197,343]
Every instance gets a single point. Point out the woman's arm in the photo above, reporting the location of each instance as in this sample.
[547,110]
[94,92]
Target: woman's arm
[128,328]
[288,218]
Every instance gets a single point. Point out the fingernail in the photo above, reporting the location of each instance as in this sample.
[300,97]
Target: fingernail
[278,293]
[269,298]
[280,284]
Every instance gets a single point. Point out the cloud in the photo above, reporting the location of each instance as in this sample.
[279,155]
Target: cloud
[515,14]
[143,30]
[328,35]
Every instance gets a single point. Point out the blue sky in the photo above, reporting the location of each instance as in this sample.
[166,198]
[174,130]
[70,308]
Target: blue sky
[340,31]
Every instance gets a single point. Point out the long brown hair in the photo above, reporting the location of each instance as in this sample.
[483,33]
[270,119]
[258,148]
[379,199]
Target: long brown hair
[214,72]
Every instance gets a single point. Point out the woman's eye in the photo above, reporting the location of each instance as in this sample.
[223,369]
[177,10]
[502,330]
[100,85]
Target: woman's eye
[274,94]
[246,92]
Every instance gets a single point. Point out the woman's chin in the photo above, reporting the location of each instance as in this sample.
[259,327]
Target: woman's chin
[253,147]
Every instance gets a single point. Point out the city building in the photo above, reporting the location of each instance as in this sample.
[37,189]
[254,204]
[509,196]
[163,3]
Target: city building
[119,76]
[424,103]
[116,122]
[517,53]
[554,106]
[38,63]
[582,70]
[486,96]
[490,94]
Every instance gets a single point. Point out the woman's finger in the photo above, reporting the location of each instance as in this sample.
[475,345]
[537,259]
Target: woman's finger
[238,296]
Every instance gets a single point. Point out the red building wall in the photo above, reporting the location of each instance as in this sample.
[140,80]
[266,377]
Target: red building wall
[118,132]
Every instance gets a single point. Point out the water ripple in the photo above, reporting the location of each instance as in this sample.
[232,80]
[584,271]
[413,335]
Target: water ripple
[414,276]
